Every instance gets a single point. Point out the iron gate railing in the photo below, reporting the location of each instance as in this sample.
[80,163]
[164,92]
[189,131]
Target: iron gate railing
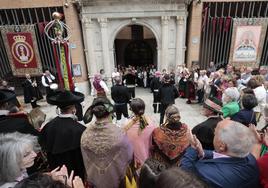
[37,16]
[217,27]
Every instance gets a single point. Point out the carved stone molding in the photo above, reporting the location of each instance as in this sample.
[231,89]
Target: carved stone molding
[165,20]
[86,21]
[116,2]
[103,22]
[180,20]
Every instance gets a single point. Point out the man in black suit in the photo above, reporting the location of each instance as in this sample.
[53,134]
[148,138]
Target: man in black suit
[31,91]
[155,85]
[167,95]
[130,80]
[121,97]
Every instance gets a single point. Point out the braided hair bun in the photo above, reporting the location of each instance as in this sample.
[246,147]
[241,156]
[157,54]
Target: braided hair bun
[173,117]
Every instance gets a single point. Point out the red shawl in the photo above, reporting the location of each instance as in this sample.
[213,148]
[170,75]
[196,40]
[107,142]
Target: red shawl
[171,142]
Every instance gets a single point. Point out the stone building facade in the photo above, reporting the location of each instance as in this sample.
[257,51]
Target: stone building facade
[103,20]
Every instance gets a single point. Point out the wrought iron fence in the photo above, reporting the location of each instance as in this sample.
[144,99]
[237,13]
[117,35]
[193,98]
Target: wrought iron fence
[217,27]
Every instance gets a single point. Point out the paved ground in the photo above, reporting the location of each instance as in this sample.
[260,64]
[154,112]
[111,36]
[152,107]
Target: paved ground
[190,114]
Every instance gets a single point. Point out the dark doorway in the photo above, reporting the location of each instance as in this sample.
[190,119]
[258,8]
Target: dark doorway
[138,53]
[135,45]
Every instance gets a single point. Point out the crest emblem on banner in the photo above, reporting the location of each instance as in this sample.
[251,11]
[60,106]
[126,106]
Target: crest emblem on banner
[22,50]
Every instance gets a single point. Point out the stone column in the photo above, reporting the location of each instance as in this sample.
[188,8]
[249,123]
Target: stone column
[164,54]
[159,61]
[89,51]
[105,45]
[180,41]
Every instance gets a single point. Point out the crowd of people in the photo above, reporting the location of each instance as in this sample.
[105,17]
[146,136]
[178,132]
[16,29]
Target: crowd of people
[226,150]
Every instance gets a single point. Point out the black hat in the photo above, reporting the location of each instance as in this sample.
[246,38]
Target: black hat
[213,104]
[103,101]
[65,98]
[6,95]
[166,78]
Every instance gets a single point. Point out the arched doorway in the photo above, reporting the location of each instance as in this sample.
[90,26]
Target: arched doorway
[135,45]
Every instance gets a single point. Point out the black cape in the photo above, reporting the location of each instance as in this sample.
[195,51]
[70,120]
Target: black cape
[205,132]
[60,138]
[9,124]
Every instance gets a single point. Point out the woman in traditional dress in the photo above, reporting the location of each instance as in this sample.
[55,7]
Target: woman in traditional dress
[100,88]
[139,131]
[190,86]
[182,83]
[105,147]
[171,139]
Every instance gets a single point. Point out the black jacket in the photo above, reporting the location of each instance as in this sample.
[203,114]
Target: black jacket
[167,94]
[130,79]
[245,117]
[155,84]
[30,92]
[120,94]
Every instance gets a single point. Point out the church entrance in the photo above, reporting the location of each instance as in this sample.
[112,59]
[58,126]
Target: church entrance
[135,45]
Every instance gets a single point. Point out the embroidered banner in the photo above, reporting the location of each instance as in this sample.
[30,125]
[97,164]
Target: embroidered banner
[22,50]
[247,41]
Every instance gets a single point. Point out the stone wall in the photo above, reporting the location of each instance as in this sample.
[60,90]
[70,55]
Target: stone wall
[101,24]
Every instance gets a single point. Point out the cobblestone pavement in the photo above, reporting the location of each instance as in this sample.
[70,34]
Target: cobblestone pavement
[190,114]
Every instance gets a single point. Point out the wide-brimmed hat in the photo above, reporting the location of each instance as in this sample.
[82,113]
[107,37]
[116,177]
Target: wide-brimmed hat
[103,101]
[65,98]
[213,104]
[6,95]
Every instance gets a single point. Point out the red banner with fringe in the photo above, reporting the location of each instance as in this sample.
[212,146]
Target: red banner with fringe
[22,50]
[21,47]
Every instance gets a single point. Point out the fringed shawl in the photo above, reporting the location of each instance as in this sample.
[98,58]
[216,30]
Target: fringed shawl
[106,152]
[171,142]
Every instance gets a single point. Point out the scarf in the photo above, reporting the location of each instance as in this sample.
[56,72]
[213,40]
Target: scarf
[171,142]
[143,123]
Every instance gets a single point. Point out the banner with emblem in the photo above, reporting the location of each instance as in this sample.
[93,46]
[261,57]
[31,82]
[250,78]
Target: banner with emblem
[247,41]
[22,50]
